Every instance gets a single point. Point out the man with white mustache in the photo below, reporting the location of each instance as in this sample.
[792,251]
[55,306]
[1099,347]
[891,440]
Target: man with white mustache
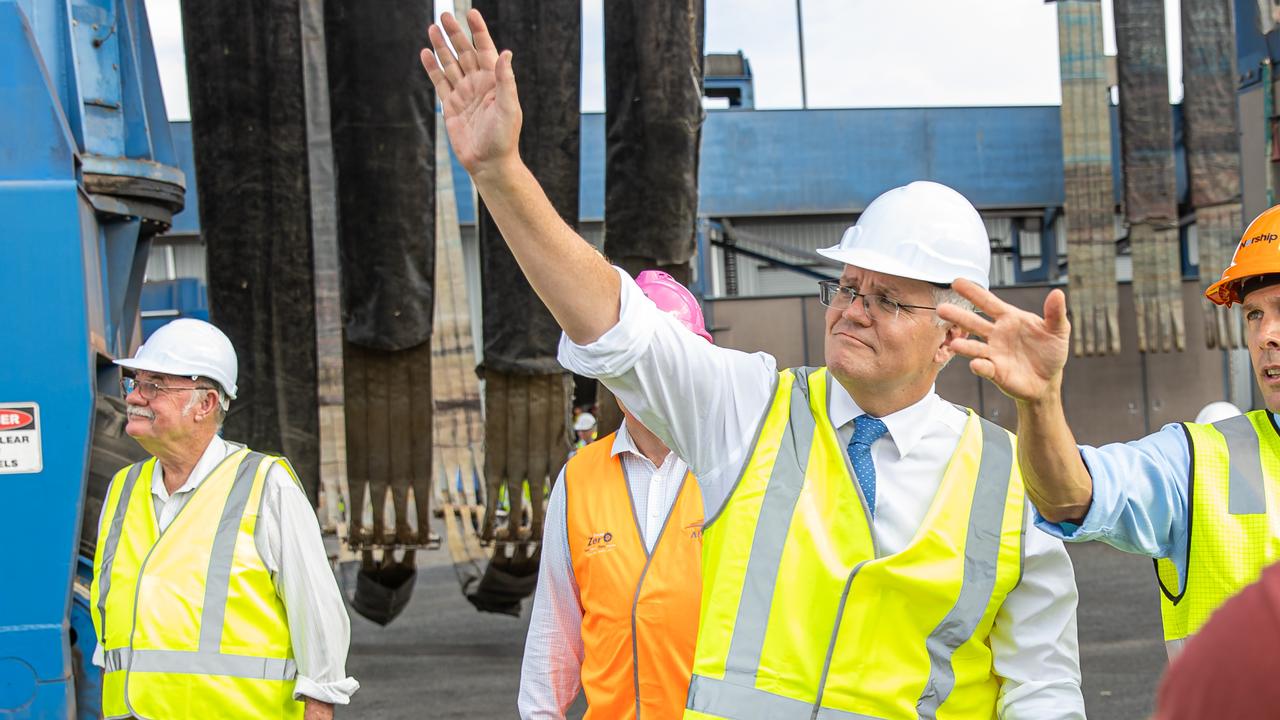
[211,586]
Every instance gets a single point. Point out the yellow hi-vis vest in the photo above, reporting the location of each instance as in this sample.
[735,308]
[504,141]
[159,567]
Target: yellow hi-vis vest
[803,618]
[188,619]
[1235,505]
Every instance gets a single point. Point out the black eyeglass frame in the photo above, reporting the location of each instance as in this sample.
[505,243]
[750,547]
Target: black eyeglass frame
[128,383]
[829,289]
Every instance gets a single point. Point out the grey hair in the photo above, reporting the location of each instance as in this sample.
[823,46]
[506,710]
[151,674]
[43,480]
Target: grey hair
[219,412]
[947,295]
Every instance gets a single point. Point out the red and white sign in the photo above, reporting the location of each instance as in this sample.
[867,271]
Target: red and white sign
[20,438]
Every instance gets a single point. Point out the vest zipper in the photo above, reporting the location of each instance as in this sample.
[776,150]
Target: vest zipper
[648,559]
[835,632]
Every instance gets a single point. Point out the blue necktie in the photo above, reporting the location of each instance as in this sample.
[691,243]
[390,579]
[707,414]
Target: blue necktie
[866,430]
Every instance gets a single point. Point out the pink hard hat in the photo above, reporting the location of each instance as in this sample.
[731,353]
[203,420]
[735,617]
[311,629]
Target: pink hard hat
[672,297]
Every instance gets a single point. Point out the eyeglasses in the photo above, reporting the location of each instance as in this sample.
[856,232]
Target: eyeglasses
[834,295]
[148,390]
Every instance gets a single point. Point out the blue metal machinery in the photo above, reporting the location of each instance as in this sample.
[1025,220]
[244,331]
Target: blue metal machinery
[87,177]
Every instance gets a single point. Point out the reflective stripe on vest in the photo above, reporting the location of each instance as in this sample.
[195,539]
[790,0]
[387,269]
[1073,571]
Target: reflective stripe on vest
[199,663]
[108,554]
[1233,521]
[177,655]
[798,450]
[639,607]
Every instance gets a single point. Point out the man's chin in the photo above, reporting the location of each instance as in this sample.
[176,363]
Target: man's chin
[137,427]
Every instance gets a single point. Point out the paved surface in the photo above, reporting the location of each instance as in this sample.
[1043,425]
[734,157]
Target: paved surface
[441,659]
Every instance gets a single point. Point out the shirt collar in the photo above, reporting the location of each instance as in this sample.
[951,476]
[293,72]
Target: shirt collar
[906,426]
[215,453]
[624,443]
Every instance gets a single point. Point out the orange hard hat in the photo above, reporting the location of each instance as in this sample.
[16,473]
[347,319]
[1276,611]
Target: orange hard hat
[1258,254]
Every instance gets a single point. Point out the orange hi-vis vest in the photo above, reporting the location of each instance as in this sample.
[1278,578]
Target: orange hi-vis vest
[639,609]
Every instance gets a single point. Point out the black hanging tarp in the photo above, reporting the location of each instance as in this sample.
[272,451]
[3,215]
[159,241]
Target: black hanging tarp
[383,123]
[1213,151]
[1150,191]
[244,70]
[520,335]
[653,119]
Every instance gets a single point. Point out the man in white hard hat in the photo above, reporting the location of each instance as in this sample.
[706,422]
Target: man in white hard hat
[212,593]
[866,551]
[1215,411]
[584,430]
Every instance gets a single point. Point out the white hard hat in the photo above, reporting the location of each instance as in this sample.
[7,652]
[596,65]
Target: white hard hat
[585,421]
[1215,411]
[924,231]
[191,347]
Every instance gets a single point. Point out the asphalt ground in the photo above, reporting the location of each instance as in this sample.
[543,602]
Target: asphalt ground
[442,659]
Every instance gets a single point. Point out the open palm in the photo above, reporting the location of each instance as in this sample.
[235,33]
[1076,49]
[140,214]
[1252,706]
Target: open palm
[1021,352]
[477,90]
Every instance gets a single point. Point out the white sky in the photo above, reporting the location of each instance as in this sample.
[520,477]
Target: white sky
[859,53]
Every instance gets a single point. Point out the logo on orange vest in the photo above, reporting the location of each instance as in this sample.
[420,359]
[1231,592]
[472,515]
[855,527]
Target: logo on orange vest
[694,529]
[598,543]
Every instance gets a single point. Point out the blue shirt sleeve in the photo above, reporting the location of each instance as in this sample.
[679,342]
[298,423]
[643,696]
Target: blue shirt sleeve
[1139,497]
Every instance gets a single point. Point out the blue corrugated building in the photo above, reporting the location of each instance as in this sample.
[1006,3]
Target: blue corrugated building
[791,180]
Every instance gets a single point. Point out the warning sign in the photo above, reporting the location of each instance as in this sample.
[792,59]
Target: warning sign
[20,438]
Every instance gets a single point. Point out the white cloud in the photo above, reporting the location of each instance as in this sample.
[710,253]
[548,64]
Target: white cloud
[171,57]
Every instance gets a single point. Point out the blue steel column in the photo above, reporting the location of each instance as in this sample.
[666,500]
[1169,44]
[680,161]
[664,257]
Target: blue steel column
[86,179]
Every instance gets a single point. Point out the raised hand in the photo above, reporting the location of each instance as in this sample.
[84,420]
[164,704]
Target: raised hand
[478,91]
[1021,352]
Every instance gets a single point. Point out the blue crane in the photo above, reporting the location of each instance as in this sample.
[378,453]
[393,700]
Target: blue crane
[87,177]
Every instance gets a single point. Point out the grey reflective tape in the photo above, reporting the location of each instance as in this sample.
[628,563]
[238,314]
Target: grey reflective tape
[981,560]
[835,633]
[217,582]
[725,699]
[1246,495]
[212,663]
[772,526]
[833,714]
[1173,647]
[113,542]
[115,660]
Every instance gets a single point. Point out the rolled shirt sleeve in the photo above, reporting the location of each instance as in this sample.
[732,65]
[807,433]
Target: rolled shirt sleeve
[1140,497]
[704,402]
[288,538]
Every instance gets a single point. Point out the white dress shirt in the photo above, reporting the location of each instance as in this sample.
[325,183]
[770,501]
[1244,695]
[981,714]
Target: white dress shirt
[287,536]
[553,652]
[705,403]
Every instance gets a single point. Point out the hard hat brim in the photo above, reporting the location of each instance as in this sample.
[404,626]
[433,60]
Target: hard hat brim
[881,263]
[1224,292]
[145,366]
